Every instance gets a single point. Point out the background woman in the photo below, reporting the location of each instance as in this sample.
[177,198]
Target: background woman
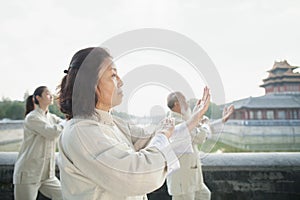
[35,166]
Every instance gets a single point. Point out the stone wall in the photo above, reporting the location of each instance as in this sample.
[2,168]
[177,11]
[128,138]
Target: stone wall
[256,136]
[253,175]
[13,124]
[229,176]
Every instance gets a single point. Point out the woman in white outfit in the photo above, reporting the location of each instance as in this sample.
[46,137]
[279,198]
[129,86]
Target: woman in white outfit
[35,166]
[101,156]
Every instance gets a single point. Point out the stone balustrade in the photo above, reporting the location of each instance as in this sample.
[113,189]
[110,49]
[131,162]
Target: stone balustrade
[259,176]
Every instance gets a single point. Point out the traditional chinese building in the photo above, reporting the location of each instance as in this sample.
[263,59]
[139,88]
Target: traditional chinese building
[281,100]
[271,121]
[282,79]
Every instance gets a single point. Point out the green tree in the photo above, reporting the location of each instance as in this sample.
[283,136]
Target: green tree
[213,112]
[15,110]
[2,110]
[54,108]
[11,109]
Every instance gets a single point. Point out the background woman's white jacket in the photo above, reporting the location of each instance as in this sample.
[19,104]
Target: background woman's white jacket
[41,131]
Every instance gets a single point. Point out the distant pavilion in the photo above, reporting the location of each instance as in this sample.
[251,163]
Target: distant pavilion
[281,100]
[270,122]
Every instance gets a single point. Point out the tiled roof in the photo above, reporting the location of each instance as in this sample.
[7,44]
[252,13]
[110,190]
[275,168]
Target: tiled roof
[281,81]
[282,65]
[285,100]
[285,75]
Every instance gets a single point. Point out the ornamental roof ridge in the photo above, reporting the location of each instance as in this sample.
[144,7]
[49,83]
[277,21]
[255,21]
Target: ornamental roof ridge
[281,65]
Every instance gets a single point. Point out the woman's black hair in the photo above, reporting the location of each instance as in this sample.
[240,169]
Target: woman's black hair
[31,99]
[77,91]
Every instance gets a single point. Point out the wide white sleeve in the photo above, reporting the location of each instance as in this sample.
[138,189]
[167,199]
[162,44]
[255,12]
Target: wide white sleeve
[114,165]
[56,119]
[43,127]
[161,142]
[181,140]
[200,134]
[139,137]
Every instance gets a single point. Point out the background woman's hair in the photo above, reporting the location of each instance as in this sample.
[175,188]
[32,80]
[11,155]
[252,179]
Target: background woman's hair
[77,91]
[31,99]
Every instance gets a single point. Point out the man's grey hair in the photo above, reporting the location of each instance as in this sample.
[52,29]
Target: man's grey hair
[172,98]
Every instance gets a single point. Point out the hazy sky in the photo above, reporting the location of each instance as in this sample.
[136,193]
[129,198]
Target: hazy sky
[242,37]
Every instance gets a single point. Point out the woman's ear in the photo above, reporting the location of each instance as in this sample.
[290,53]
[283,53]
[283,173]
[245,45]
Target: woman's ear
[98,92]
[98,96]
[38,98]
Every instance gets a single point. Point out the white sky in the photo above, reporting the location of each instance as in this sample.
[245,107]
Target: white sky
[242,37]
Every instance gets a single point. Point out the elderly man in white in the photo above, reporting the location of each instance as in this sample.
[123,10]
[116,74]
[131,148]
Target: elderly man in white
[187,182]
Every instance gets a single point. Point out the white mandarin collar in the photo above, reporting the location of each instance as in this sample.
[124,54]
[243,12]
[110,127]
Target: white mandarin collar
[104,117]
[175,114]
[37,108]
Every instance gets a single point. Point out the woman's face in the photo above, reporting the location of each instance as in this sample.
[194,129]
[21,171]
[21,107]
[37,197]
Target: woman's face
[109,90]
[46,98]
